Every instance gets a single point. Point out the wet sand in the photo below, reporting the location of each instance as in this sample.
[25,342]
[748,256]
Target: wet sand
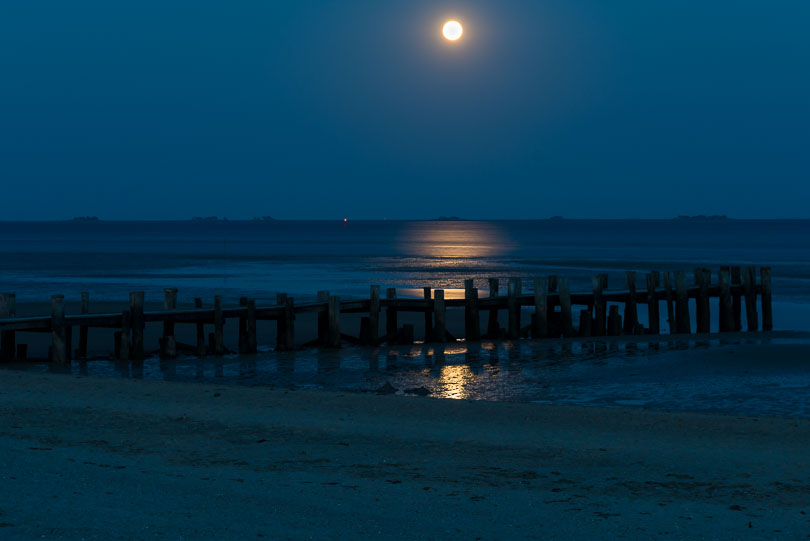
[110,458]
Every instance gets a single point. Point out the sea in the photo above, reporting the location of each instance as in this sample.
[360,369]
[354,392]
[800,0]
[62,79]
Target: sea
[260,258]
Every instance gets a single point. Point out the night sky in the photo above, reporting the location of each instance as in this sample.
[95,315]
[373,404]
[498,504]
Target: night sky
[329,109]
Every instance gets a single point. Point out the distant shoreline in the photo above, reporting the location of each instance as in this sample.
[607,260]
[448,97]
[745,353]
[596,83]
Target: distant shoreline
[679,219]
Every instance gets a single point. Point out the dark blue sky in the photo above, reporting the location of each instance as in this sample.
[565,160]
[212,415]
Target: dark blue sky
[299,109]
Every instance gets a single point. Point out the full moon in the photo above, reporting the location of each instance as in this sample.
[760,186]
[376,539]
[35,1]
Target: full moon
[452,30]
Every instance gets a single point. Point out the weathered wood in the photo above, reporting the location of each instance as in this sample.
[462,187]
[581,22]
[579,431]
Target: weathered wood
[201,348]
[669,299]
[83,329]
[252,344]
[652,303]
[726,314]
[540,320]
[289,314]
[124,352]
[682,323]
[552,283]
[168,344]
[58,341]
[323,319]
[513,307]
[440,329]
[8,339]
[493,327]
[137,324]
[374,314]
[219,327]
[242,334]
[428,314]
[283,324]
[391,320]
[749,277]
[584,323]
[702,279]
[599,306]
[767,308]
[333,322]
[736,299]
[472,320]
[614,321]
[630,308]
[565,307]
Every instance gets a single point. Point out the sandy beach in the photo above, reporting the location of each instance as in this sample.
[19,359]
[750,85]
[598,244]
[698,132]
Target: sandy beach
[87,458]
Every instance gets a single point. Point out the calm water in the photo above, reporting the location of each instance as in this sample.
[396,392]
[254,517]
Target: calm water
[261,258]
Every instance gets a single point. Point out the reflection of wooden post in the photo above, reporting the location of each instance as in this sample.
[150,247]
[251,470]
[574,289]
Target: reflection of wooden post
[682,323]
[333,314]
[441,322]
[513,305]
[391,323]
[472,321]
[630,311]
[8,308]
[749,282]
[540,308]
[85,309]
[58,342]
[702,279]
[736,300]
[726,315]
[565,307]
[493,327]
[652,304]
[767,311]
[201,348]
[374,314]
[428,315]
[137,324]
[168,346]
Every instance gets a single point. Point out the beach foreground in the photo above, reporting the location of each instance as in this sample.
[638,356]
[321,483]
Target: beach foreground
[86,458]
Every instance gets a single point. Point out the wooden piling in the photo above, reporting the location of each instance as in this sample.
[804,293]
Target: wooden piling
[440,329]
[726,314]
[584,323]
[702,279]
[472,321]
[565,307]
[767,309]
[137,324]
[201,348]
[168,344]
[749,277]
[630,308]
[323,319]
[242,331]
[219,327]
[374,314]
[428,314]
[124,352]
[669,297]
[614,321]
[652,303]
[552,283]
[513,307]
[682,322]
[85,309]
[736,299]
[282,324]
[8,339]
[252,344]
[540,308]
[391,319]
[493,327]
[58,340]
[289,315]
[333,322]
[599,307]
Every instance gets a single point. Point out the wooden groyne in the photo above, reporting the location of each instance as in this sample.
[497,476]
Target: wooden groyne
[554,310]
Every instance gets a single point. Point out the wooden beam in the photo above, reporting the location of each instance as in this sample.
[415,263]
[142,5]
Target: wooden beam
[168,344]
[440,329]
[333,332]
[428,314]
[58,341]
[749,277]
[767,309]
[472,320]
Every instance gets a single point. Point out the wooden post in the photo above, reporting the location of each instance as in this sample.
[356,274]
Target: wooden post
[749,277]
[630,310]
[614,321]
[702,279]
[599,306]
[584,323]
[726,314]
[472,320]
[540,308]
[333,315]
[8,340]
[682,323]
[552,283]
[428,315]
[767,310]
[124,352]
[669,297]
[85,309]
[391,323]
[565,307]
[323,319]
[652,304]
[137,325]
[252,345]
[513,307]
[58,342]
[374,314]
[289,314]
[219,327]
[168,345]
[440,330]
[282,332]
[736,300]
[493,327]
[201,347]
[242,343]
